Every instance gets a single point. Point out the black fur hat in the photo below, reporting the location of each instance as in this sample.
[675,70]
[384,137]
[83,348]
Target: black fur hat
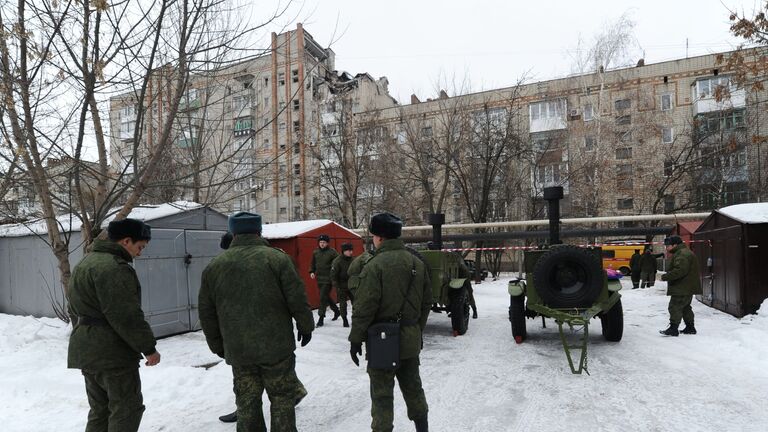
[386,225]
[673,240]
[346,247]
[226,240]
[323,237]
[133,228]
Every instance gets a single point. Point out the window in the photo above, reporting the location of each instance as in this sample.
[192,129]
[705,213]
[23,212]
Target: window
[669,166]
[669,203]
[608,253]
[706,88]
[624,153]
[590,143]
[624,170]
[589,112]
[127,116]
[667,135]
[624,183]
[266,102]
[281,106]
[624,120]
[625,204]
[243,125]
[297,169]
[426,131]
[295,75]
[715,122]
[296,126]
[281,169]
[266,81]
[282,126]
[296,148]
[666,102]
[281,78]
[547,109]
[239,103]
[283,210]
[295,104]
[266,143]
[622,104]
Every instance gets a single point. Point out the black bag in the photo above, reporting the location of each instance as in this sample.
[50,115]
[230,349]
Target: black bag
[383,343]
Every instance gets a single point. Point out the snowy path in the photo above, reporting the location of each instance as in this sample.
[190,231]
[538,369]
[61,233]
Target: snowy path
[714,381]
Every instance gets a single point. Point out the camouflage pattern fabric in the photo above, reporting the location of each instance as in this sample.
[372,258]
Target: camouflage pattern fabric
[648,278]
[355,267]
[682,272]
[680,310]
[321,264]
[115,399]
[249,297]
[250,382]
[104,286]
[340,277]
[325,299]
[382,387]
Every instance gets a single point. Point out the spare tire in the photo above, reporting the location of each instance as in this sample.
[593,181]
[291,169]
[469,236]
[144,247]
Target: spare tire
[568,277]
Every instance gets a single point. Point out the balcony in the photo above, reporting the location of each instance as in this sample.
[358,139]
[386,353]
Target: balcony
[243,126]
[704,91]
[548,115]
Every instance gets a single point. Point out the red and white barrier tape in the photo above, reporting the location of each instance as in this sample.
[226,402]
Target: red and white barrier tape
[503,248]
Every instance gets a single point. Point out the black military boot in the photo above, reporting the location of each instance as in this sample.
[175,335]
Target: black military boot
[421,424]
[344,320]
[689,329]
[229,418]
[320,321]
[670,331]
[336,314]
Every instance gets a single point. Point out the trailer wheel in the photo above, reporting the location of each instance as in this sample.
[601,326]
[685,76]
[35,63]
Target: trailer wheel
[568,277]
[613,323]
[460,310]
[624,270]
[517,317]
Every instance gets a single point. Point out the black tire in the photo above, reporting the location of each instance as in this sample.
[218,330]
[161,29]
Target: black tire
[460,310]
[624,270]
[517,317]
[613,323]
[568,277]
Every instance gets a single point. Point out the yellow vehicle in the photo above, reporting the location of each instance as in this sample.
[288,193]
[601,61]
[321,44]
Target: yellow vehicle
[617,256]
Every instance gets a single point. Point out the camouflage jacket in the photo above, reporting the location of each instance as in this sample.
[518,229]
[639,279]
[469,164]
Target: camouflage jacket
[682,274]
[321,263]
[384,281]
[248,298]
[355,267]
[340,271]
[104,287]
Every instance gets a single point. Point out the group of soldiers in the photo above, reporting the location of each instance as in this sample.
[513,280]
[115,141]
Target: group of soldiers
[250,297]
[643,268]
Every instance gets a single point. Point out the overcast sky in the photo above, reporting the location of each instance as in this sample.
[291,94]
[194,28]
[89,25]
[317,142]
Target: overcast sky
[494,42]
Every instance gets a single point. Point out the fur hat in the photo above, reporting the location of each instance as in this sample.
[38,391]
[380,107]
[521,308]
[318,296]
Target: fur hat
[133,228]
[346,247]
[226,240]
[323,237]
[244,223]
[673,240]
[386,225]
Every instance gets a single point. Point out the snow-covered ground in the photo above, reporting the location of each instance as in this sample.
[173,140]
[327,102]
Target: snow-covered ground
[714,381]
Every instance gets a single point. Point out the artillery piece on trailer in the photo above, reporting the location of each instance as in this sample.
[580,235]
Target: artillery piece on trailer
[568,284]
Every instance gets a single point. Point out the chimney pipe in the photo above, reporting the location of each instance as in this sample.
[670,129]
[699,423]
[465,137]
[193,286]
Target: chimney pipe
[436,220]
[553,195]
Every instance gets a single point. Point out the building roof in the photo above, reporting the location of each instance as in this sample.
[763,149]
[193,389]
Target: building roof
[71,223]
[753,213]
[688,227]
[284,230]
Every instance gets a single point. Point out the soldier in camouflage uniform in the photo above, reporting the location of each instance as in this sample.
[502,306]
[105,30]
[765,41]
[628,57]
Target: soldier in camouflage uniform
[249,297]
[683,282]
[301,391]
[648,268]
[392,279]
[634,268]
[339,278]
[109,333]
[322,257]
[354,270]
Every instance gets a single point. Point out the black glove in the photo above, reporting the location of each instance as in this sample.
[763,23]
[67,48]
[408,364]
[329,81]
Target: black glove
[355,349]
[304,338]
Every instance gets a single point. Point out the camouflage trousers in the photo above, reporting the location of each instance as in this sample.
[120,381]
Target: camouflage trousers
[648,278]
[680,309]
[344,294]
[325,298]
[382,400]
[280,382]
[115,399]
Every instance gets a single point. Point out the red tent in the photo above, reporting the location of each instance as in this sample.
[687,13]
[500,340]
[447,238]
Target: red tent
[299,239]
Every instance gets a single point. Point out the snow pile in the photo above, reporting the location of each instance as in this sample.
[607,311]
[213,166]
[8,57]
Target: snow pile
[752,213]
[480,382]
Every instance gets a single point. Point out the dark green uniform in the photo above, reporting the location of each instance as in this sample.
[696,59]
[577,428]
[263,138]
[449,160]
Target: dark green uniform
[383,283]
[109,336]
[354,270]
[683,283]
[321,267]
[634,269]
[648,269]
[339,278]
[249,296]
